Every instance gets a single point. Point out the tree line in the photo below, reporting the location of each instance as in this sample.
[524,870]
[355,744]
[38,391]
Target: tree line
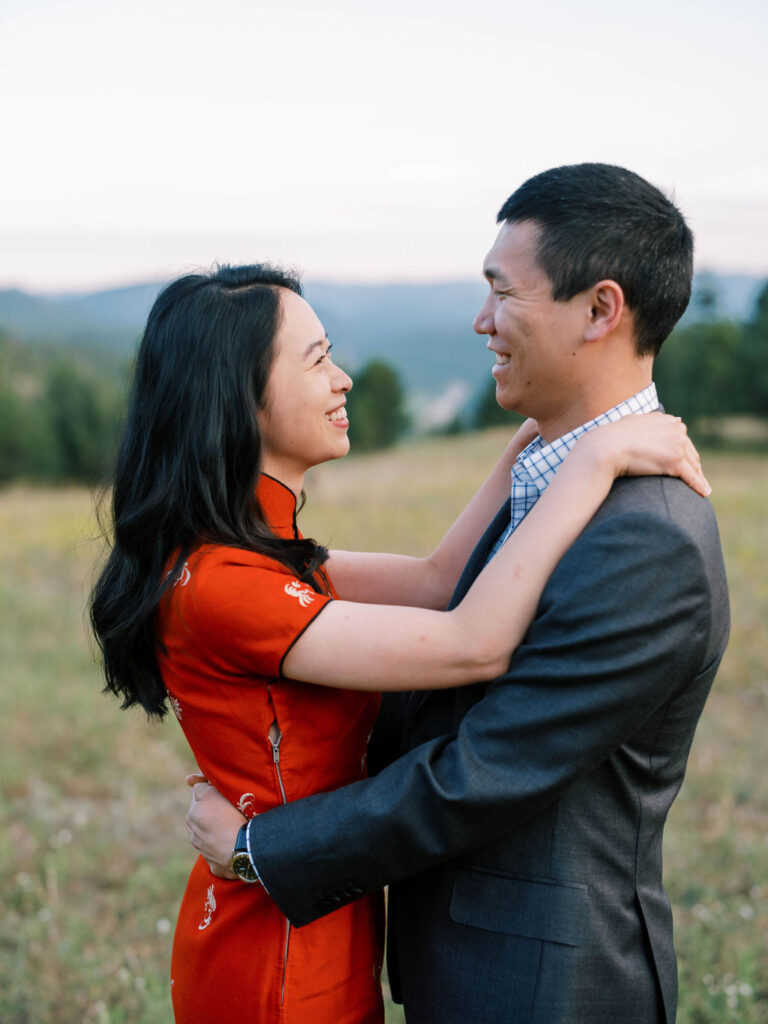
[60,413]
[61,410]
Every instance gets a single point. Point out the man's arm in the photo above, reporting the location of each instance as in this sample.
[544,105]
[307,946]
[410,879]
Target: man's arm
[622,625]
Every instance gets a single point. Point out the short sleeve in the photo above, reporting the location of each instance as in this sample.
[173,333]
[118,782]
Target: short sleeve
[244,612]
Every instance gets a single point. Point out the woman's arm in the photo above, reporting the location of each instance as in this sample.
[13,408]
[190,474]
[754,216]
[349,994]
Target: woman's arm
[382,647]
[378,578]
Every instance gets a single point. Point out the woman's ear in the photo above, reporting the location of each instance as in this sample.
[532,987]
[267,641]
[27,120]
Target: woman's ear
[606,300]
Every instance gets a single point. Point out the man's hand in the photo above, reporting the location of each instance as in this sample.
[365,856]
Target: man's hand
[212,825]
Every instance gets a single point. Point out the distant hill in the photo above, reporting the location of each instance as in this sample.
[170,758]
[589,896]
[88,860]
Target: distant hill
[121,308]
[735,296]
[425,330]
[56,320]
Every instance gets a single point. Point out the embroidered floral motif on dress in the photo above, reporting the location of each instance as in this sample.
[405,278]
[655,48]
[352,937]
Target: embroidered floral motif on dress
[305,594]
[184,576]
[210,906]
[175,706]
[245,804]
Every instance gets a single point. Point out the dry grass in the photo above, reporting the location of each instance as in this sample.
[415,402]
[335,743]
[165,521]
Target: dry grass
[93,852]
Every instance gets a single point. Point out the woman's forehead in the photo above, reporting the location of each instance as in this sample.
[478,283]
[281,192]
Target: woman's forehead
[300,326]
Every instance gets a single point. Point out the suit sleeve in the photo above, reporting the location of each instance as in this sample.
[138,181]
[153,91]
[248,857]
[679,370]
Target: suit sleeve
[621,627]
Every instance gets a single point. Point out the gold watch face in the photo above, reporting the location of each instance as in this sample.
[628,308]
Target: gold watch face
[241,865]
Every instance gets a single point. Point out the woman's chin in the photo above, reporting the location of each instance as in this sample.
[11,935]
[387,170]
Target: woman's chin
[339,450]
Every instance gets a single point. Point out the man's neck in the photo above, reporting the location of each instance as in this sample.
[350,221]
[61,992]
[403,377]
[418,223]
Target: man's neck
[592,402]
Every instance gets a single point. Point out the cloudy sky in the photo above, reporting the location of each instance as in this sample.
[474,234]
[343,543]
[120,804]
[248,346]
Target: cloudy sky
[359,140]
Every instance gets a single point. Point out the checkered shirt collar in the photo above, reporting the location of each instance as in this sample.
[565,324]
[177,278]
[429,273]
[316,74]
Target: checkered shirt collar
[541,460]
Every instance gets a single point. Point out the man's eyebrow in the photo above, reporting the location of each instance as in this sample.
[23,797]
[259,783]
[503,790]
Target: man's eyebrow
[313,345]
[494,274]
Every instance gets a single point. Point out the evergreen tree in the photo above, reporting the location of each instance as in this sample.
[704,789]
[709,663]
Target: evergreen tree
[488,412]
[755,377]
[85,413]
[700,370]
[377,417]
[26,450]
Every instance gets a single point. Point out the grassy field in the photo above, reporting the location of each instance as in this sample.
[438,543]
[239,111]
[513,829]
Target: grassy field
[93,851]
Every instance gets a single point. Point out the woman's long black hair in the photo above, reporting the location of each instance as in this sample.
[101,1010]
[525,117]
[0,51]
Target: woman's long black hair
[189,461]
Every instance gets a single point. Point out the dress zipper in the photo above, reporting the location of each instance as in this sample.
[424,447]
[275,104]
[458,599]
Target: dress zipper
[276,760]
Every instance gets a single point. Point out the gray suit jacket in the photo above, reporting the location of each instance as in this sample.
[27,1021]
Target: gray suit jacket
[521,828]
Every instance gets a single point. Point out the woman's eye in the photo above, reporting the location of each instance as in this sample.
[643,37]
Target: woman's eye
[325,355]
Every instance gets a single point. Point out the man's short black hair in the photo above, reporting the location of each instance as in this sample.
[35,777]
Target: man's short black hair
[600,222]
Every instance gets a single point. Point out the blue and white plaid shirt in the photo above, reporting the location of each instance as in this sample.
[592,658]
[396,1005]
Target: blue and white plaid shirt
[538,462]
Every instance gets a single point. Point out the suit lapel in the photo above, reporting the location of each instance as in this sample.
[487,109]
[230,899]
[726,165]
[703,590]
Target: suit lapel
[478,558]
[472,569]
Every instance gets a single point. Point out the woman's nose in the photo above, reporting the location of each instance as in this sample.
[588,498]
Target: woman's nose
[343,382]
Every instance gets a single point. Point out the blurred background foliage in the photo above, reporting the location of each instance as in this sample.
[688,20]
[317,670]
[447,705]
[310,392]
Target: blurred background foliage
[93,851]
[62,403]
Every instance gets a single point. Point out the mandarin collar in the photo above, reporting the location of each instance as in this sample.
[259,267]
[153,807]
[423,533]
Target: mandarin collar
[278,503]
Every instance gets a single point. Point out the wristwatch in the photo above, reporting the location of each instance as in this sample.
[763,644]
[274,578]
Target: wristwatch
[241,861]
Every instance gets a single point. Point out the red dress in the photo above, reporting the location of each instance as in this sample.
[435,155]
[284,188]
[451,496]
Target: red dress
[225,627]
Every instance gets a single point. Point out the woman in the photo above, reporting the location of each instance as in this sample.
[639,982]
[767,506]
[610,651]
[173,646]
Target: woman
[213,601]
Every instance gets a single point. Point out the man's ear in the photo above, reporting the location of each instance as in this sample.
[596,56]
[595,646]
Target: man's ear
[606,304]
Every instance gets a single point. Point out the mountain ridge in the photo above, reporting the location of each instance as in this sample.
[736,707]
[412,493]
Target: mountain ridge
[423,329]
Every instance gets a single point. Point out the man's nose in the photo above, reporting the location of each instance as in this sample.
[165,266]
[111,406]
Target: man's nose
[483,322]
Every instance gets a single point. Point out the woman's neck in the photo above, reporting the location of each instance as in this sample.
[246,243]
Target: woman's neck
[290,476]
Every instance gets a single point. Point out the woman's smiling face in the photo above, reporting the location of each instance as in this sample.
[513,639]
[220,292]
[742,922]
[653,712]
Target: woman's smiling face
[303,420]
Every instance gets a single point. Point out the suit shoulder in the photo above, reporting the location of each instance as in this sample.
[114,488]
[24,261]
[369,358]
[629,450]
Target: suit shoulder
[659,517]
[658,530]
[662,499]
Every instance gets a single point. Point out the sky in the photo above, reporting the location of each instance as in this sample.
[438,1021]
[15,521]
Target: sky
[359,141]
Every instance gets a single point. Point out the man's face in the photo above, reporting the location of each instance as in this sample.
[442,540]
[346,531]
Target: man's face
[536,340]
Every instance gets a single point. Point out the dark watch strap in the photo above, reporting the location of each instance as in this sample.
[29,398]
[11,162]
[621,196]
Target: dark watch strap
[242,865]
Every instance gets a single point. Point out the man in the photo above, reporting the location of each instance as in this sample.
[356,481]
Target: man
[520,827]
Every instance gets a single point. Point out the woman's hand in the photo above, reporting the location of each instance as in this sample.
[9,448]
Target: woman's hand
[525,433]
[648,445]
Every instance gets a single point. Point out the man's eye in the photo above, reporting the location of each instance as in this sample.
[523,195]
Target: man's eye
[325,355]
